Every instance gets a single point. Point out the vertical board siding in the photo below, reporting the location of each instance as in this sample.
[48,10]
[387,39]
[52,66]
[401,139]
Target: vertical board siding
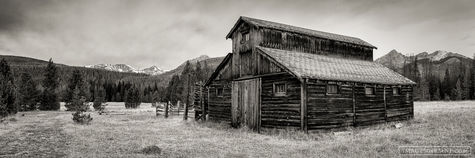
[219,107]
[328,110]
[277,39]
[280,111]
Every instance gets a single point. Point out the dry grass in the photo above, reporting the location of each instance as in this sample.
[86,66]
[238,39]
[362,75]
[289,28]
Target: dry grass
[54,134]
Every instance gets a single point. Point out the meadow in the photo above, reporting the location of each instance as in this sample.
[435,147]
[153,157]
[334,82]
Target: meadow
[125,132]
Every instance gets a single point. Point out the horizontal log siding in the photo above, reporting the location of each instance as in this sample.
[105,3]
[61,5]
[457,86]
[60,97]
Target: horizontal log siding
[280,111]
[219,107]
[369,109]
[399,107]
[328,111]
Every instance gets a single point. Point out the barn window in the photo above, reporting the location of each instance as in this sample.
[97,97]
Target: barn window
[332,89]
[369,90]
[396,90]
[244,36]
[219,92]
[280,89]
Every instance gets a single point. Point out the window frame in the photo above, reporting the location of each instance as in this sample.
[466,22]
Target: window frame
[398,90]
[245,36]
[338,90]
[218,92]
[373,87]
[274,89]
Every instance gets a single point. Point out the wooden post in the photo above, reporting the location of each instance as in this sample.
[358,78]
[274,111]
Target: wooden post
[303,106]
[156,110]
[178,107]
[354,104]
[185,116]
[205,105]
[385,104]
[166,109]
[203,116]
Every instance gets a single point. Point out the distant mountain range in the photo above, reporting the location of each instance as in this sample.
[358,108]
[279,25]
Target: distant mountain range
[154,70]
[439,60]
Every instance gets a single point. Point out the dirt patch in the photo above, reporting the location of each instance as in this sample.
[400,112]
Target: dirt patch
[34,141]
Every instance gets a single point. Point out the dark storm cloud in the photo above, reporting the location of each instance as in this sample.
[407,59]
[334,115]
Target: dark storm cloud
[166,33]
[11,16]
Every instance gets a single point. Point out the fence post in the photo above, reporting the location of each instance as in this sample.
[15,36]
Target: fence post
[156,110]
[202,102]
[166,109]
[178,107]
[185,116]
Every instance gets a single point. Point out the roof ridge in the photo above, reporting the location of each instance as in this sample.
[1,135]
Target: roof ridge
[301,30]
[301,27]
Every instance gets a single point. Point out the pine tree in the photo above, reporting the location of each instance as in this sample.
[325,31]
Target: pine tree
[199,73]
[76,83]
[132,98]
[174,89]
[99,99]
[472,79]
[28,93]
[186,79]
[446,86]
[49,98]
[458,90]
[7,90]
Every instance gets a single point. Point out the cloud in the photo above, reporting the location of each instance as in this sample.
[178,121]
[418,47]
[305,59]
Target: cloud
[166,33]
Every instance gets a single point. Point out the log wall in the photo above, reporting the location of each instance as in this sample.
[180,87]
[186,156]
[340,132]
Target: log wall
[352,107]
[399,107]
[328,110]
[370,109]
[280,111]
[219,107]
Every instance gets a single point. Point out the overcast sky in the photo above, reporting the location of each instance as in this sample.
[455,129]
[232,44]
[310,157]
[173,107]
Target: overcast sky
[167,33]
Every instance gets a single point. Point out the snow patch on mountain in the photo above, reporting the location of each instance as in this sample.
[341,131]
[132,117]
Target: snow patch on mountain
[154,70]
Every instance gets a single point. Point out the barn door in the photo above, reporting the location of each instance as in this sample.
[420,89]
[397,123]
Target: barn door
[246,103]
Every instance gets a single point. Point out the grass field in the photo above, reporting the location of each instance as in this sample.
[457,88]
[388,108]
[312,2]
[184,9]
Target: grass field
[53,134]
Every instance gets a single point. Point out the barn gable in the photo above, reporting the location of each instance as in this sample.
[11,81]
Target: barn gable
[290,28]
[224,64]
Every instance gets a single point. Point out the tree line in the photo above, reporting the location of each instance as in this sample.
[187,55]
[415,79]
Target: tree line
[23,89]
[436,81]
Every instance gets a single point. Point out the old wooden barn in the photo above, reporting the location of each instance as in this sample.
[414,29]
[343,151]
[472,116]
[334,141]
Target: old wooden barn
[282,76]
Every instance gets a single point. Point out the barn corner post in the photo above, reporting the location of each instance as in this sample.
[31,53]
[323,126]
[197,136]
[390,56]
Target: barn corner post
[303,106]
[354,103]
[385,104]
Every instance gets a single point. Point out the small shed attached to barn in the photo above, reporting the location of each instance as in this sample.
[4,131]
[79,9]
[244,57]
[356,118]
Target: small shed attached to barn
[282,76]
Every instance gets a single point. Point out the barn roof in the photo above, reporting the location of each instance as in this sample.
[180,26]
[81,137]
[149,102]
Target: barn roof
[306,65]
[289,28]
[220,66]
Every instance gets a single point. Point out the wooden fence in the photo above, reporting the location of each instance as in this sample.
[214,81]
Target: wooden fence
[168,109]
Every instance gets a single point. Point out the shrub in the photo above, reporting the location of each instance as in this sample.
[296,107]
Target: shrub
[151,150]
[81,117]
